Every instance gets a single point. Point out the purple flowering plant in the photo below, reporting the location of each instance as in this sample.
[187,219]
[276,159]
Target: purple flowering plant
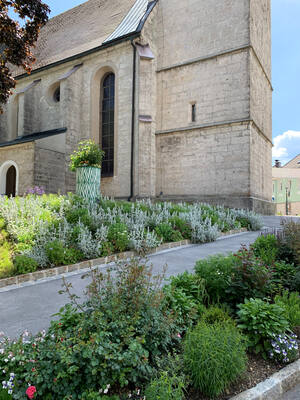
[36,190]
[284,348]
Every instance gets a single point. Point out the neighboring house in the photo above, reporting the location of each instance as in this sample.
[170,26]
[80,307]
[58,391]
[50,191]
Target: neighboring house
[178,94]
[286,187]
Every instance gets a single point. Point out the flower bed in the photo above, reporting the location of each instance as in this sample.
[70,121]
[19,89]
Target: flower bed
[39,232]
[193,338]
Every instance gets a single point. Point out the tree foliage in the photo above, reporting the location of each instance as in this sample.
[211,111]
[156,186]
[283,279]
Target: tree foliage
[17,40]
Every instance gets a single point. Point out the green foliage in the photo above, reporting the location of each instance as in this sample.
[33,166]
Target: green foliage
[88,154]
[216,315]
[284,276]
[114,339]
[73,216]
[24,264]
[118,236]
[215,356]
[165,232]
[266,248]
[182,226]
[290,302]
[165,387]
[261,320]
[250,279]
[60,255]
[185,296]
[289,244]
[4,395]
[216,272]
[7,268]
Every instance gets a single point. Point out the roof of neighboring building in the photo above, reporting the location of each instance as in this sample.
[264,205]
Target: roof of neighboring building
[33,137]
[294,163]
[87,26]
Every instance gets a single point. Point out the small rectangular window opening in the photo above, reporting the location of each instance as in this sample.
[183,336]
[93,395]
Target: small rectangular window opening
[193,112]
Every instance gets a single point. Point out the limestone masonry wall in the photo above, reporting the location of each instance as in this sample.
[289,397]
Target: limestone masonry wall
[23,156]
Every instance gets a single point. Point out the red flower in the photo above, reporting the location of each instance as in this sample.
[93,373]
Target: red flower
[31,391]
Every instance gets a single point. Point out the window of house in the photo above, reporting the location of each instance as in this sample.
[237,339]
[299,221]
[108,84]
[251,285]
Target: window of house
[56,95]
[193,112]
[108,124]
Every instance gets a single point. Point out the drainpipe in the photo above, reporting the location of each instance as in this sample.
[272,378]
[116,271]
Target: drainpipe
[133,123]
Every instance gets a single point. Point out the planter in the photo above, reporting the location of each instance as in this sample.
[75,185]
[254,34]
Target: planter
[88,181]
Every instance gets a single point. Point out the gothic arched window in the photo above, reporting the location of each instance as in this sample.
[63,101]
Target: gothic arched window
[108,124]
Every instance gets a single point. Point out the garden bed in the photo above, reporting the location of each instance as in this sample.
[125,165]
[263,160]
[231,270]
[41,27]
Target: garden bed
[41,232]
[258,370]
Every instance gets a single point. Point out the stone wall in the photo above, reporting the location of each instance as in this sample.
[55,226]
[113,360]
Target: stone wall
[204,163]
[49,170]
[23,156]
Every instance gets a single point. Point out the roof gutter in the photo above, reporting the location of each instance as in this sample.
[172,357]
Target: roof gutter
[133,122]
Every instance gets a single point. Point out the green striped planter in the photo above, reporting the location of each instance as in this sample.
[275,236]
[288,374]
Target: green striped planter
[88,182]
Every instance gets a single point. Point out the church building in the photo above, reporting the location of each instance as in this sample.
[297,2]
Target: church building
[178,94]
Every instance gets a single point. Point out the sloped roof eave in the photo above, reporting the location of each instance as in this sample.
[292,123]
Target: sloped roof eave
[107,43]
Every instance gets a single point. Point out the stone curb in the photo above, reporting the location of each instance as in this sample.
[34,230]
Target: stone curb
[274,387]
[84,265]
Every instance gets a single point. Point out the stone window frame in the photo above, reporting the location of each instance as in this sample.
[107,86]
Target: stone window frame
[97,78]
[3,171]
[110,173]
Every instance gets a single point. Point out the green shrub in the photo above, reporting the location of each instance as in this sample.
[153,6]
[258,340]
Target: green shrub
[164,231]
[165,387]
[73,216]
[88,154]
[290,302]
[250,279]
[176,236]
[215,356]
[261,320]
[115,338]
[191,284]
[182,226]
[290,242]
[118,236]
[25,265]
[185,307]
[215,315]
[7,268]
[216,272]
[4,395]
[284,276]
[266,248]
[58,254]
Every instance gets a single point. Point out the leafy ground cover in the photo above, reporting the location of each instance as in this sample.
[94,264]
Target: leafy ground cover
[197,337]
[41,231]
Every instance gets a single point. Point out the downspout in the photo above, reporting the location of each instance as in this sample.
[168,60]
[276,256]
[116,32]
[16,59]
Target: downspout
[133,123]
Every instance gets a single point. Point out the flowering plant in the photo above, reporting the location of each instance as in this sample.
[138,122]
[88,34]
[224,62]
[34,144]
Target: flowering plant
[284,348]
[88,154]
[36,190]
[31,392]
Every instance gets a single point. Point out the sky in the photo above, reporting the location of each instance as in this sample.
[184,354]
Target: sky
[285,74]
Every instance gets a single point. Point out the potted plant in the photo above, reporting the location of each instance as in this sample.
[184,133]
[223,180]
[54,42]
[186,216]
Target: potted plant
[86,162]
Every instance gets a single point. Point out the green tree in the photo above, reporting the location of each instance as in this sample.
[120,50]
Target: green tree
[17,39]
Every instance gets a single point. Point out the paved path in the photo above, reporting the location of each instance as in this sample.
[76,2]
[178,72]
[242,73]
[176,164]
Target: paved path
[31,307]
[293,394]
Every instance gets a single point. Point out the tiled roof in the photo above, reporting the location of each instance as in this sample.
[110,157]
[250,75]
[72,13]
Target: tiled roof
[294,163]
[85,27]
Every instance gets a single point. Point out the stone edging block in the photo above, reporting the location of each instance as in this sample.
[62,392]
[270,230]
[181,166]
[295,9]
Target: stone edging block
[274,387]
